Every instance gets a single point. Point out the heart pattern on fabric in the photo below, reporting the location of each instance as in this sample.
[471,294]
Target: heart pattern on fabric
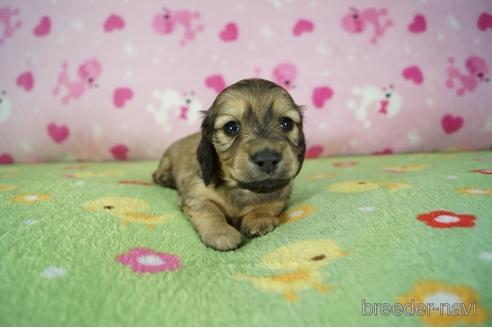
[418,25]
[229,33]
[25,81]
[58,133]
[121,96]
[451,124]
[43,28]
[414,74]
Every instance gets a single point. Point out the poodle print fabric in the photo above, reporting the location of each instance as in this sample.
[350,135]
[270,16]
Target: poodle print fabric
[121,80]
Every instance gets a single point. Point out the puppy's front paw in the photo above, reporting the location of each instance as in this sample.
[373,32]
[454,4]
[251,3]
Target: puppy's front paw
[259,226]
[224,239]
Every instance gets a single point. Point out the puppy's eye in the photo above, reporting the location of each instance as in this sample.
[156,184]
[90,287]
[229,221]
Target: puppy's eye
[286,123]
[231,128]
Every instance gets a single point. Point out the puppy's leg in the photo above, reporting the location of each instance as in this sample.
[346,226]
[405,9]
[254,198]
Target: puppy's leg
[212,225]
[163,174]
[262,219]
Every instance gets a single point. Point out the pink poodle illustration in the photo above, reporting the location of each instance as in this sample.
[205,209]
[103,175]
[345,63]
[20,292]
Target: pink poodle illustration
[179,106]
[384,101]
[285,75]
[167,21]
[358,21]
[476,71]
[87,74]
[10,21]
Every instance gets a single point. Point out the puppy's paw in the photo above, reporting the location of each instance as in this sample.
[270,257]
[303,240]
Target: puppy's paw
[224,239]
[164,178]
[259,226]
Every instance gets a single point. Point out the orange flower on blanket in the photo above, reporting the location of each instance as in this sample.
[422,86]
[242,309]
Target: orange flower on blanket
[76,167]
[136,182]
[445,304]
[474,191]
[447,219]
[30,198]
[295,214]
[345,164]
[482,171]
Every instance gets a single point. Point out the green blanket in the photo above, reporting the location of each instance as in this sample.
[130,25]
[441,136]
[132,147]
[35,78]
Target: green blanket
[365,240]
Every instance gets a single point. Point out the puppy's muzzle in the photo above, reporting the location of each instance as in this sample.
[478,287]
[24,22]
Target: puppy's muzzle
[266,160]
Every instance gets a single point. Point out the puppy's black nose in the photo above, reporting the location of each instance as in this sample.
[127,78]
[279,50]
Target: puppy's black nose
[266,160]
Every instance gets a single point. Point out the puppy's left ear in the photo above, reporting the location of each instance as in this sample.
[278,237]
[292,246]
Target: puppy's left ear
[301,146]
[206,153]
[302,151]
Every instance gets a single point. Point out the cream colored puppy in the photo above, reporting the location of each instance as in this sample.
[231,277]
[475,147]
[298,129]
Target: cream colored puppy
[236,175]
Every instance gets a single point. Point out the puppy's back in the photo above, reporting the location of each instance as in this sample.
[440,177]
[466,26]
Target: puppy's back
[179,163]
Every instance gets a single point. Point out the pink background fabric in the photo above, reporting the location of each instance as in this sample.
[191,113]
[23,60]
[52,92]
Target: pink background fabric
[98,80]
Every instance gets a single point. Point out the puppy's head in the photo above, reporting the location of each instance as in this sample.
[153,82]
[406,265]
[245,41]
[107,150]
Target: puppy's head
[252,137]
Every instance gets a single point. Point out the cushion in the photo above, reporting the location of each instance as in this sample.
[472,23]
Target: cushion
[100,80]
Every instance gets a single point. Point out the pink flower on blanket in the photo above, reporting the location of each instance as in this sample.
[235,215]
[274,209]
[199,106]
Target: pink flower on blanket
[145,260]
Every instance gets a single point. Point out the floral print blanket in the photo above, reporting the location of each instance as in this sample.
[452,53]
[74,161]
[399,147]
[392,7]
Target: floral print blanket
[375,240]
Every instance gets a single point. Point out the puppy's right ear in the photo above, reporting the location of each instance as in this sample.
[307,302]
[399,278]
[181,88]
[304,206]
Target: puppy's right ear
[206,153]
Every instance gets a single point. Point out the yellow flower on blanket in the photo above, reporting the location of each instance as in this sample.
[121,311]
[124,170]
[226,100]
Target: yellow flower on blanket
[295,214]
[475,191]
[321,176]
[117,204]
[8,173]
[406,168]
[296,267]
[30,198]
[364,185]
[128,210]
[94,174]
[393,186]
[6,187]
[142,218]
[451,304]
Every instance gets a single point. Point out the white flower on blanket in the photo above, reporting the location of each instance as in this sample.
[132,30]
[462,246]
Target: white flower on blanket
[53,272]
[384,101]
[173,105]
[5,107]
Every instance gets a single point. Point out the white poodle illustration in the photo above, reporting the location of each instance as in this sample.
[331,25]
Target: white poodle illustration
[5,107]
[385,101]
[174,106]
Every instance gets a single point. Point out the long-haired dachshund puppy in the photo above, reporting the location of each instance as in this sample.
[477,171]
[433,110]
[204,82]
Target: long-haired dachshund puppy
[237,173]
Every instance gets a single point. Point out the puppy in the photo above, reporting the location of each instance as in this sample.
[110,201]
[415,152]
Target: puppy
[238,172]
